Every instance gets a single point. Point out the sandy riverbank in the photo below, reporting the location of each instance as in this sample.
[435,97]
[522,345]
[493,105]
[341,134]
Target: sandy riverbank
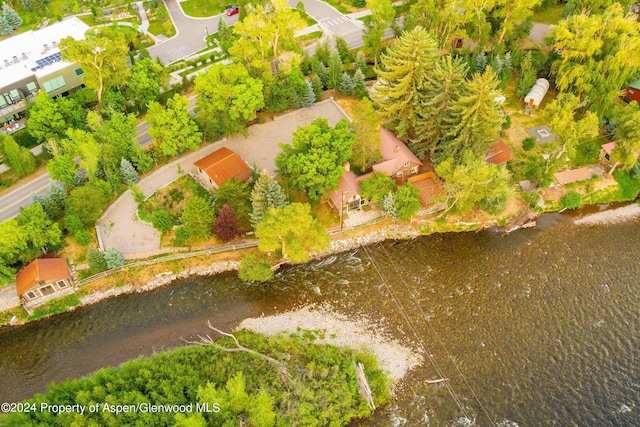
[360,334]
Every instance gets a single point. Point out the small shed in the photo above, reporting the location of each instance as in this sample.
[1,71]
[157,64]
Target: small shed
[632,91]
[43,280]
[607,149]
[499,153]
[536,94]
[429,187]
[221,165]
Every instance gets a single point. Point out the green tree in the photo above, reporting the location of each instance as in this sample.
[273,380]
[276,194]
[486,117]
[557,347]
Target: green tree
[198,218]
[406,201]
[128,172]
[147,77]
[38,231]
[12,242]
[173,128]
[18,158]
[527,76]
[477,118]
[627,137]
[511,13]
[228,98]
[318,87]
[377,187]
[96,260]
[113,258]
[321,72]
[237,195]
[87,203]
[63,168]
[346,84]
[597,55]
[162,221]
[45,122]
[359,84]
[5,27]
[442,18]
[360,62]
[382,15]
[117,138]
[471,181]
[571,200]
[11,16]
[266,194]
[85,145]
[401,78]
[334,75]
[102,55]
[365,125]
[54,203]
[443,86]
[292,231]
[309,97]
[255,268]
[388,205]
[314,161]
[285,22]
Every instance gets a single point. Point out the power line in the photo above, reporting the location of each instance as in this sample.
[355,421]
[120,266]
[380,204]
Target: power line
[415,333]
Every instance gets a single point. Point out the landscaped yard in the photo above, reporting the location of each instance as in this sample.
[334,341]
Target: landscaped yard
[203,8]
[159,20]
[174,196]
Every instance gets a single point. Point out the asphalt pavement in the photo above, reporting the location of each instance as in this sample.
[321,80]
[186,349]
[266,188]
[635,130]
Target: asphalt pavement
[11,203]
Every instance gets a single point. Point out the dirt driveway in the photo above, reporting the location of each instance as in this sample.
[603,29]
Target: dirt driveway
[119,226]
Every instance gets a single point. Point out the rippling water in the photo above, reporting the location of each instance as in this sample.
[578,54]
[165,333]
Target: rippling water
[541,327]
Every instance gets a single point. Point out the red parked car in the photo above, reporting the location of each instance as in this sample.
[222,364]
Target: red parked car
[232,10]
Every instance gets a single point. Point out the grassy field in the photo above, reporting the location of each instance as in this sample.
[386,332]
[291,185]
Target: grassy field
[160,22]
[549,15]
[203,8]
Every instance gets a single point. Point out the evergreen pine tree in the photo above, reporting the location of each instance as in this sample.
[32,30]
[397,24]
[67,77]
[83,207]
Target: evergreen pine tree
[38,198]
[129,173]
[5,27]
[309,98]
[113,258]
[389,206]
[335,70]
[359,85]
[481,62]
[318,89]
[321,72]
[97,262]
[54,203]
[346,84]
[266,194]
[360,62]
[11,16]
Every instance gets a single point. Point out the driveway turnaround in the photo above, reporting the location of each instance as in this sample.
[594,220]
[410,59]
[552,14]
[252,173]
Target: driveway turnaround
[119,226]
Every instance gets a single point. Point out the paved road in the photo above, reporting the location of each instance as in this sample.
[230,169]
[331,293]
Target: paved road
[11,203]
[190,34]
[333,22]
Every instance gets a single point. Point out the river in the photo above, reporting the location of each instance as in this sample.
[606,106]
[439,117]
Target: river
[541,327]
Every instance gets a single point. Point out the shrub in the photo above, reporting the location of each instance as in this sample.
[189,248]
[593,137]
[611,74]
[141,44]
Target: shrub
[162,221]
[113,258]
[528,143]
[72,223]
[254,268]
[571,200]
[82,237]
[97,262]
[507,122]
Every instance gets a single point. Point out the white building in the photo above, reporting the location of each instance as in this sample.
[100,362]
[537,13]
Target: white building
[31,61]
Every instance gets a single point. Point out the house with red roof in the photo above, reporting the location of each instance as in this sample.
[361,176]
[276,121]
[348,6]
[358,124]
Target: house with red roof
[499,153]
[221,165]
[42,280]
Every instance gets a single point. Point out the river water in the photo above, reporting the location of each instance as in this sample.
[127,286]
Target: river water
[541,327]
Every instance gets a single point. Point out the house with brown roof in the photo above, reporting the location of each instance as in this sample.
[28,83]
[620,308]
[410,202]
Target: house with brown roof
[397,160]
[221,165]
[42,280]
[573,175]
[499,153]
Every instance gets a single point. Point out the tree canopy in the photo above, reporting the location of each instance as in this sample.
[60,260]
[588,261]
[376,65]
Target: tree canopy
[314,160]
[366,126]
[172,128]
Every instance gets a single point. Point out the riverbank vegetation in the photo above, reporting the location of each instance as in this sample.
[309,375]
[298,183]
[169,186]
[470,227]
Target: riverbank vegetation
[287,380]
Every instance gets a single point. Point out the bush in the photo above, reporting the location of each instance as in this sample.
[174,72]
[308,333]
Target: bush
[571,200]
[113,258]
[507,122]
[72,223]
[82,237]
[254,268]
[162,221]
[528,143]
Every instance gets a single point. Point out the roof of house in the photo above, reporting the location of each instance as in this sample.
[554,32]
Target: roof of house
[394,153]
[573,175]
[36,52]
[499,153]
[224,164]
[429,187]
[42,269]
[608,147]
[635,85]
[349,185]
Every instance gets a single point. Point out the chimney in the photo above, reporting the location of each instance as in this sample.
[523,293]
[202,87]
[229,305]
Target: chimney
[24,55]
[396,148]
[15,60]
[46,47]
[54,44]
[347,167]
[6,63]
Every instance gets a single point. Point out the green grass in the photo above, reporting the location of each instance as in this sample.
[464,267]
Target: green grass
[203,8]
[160,22]
[549,15]
[629,186]
[55,306]
[310,21]
[338,5]
[307,39]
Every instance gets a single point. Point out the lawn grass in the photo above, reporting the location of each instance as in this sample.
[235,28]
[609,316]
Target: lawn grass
[307,39]
[341,7]
[203,8]
[549,15]
[159,21]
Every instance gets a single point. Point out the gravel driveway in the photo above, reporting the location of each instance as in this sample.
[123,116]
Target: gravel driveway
[119,226]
